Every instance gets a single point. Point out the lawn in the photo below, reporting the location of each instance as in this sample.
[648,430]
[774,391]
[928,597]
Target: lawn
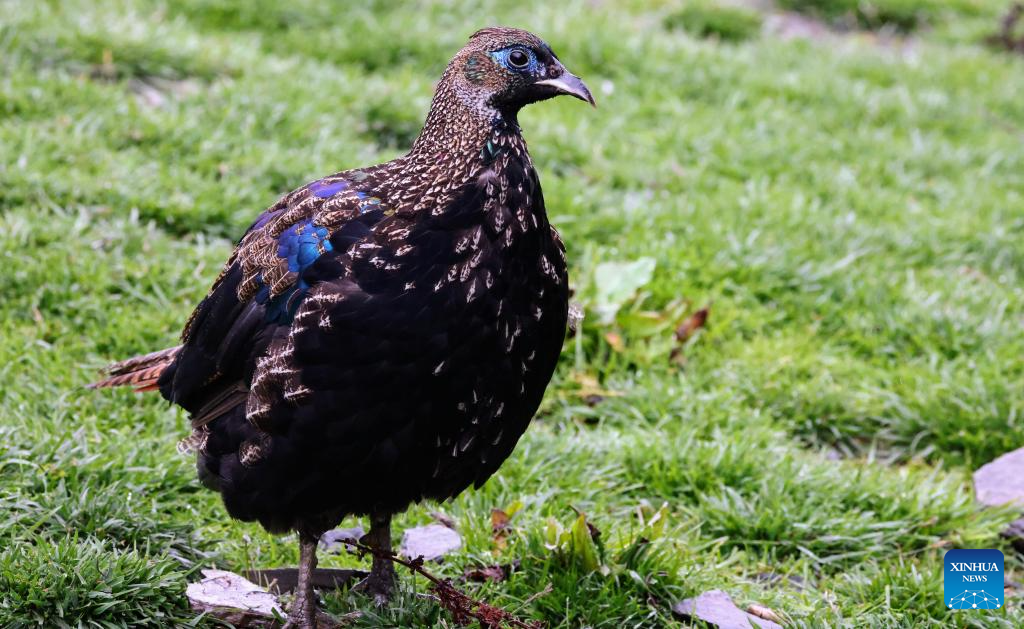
[850,208]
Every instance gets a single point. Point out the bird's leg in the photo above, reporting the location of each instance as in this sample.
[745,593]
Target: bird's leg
[381,581]
[302,614]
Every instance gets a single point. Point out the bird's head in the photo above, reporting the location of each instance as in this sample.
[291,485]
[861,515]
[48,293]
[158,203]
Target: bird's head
[505,69]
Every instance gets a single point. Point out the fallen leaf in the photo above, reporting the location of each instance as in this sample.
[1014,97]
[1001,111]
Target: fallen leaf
[692,323]
[617,283]
[716,608]
[491,573]
[589,387]
[499,527]
[499,520]
[487,573]
[592,400]
[763,612]
[432,541]
[614,339]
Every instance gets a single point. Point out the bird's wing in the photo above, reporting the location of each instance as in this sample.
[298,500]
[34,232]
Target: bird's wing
[258,292]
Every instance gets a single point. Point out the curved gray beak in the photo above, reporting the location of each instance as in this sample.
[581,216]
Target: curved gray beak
[570,84]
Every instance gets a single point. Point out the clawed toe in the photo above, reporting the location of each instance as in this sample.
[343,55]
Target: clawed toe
[379,587]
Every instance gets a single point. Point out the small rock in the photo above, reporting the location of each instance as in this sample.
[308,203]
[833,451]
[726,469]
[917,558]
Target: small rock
[332,541]
[430,542]
[1002,480]
[232,598]
[716,607]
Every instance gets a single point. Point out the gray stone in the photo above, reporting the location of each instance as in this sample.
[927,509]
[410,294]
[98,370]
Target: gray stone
[333,541]
[233,598]
[1001,481]
[430,542]
[717,608]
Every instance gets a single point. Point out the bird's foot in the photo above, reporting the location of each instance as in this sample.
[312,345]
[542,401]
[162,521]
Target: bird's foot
[379,585]
[302,614]
[381,581]
[323,621]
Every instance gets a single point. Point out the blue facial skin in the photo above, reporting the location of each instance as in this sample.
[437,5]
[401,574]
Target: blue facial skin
[502,57]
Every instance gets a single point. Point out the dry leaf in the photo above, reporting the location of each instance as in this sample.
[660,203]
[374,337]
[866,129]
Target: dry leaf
[589,387]
[692,323]
[486,573]
[614,339]
[499,520]
[499,526]
[763,612]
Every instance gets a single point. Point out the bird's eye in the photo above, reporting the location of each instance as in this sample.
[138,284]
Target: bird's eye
[518,59]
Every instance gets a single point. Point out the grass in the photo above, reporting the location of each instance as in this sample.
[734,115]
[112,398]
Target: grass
[850,211]
[710,19]
[904,15]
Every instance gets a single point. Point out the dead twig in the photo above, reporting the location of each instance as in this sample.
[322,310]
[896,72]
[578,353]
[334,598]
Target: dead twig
[463,608]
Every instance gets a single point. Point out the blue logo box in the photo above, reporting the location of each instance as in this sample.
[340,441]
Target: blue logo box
[973,579]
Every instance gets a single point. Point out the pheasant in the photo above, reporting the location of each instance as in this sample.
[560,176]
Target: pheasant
[385,334]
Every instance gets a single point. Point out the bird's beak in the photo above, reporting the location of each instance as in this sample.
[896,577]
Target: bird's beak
[569,83]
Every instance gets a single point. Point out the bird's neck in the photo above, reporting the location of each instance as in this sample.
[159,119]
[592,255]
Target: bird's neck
[460,141]
[461,121]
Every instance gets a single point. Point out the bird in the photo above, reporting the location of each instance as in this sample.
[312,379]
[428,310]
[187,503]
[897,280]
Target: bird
[382,335]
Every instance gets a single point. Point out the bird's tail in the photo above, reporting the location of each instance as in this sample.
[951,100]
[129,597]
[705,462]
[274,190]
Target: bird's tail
[140,372]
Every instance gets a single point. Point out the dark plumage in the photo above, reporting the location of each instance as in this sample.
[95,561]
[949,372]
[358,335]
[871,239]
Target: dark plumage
[385,334]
